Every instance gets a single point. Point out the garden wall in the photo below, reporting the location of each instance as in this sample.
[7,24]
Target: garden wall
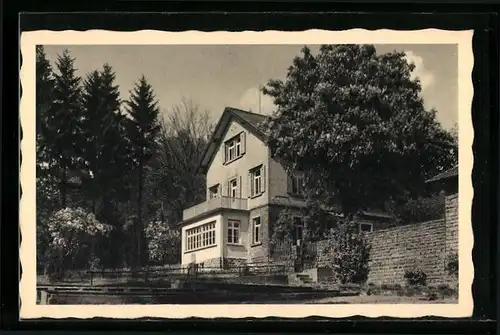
[398,249]
[394,250]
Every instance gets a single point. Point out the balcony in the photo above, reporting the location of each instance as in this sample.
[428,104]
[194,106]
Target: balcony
[214,204]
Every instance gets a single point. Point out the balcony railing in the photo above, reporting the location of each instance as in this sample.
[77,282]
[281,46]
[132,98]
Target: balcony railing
[212,204]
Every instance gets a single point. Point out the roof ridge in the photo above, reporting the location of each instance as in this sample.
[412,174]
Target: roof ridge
[244,111]
[449,173]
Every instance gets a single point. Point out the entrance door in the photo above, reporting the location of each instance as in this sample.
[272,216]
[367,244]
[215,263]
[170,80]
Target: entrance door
[299,259]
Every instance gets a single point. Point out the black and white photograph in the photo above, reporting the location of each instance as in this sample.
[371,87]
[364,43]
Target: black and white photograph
[298,175]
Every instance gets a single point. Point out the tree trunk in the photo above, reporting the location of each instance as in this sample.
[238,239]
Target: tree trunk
[93,203]
[63,188]
[139,230]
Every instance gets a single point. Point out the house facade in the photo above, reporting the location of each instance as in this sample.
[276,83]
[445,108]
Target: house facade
[246,190]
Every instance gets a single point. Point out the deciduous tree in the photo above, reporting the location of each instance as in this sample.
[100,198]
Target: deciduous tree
[182,141]
[356,121]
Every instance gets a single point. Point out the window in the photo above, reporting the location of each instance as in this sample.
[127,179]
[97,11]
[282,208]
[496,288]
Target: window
[231,150]
[233,232]
[256,181]
[233,188]
[256,230]
[213,192]
[298,229]
[296,183]
[200,237]
[234,148]
[237,145]
[366,227]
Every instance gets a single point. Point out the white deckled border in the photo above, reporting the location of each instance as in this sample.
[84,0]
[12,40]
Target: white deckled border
[30,310]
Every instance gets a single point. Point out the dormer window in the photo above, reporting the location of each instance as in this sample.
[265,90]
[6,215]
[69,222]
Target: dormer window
[231,150]
[234,148]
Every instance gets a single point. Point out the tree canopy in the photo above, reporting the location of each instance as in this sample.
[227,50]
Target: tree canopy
[101,161]
[355,122]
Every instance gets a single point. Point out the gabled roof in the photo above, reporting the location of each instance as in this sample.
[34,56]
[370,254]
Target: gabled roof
[251,121]
[448,174]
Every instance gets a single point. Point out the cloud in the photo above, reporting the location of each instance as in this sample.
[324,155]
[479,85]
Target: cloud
[250,101]
[426,77]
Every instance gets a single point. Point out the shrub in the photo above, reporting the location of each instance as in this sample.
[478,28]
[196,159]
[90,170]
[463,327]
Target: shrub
[452,264]
[415,276]
[164,243]
[348,253]
[244,270]
[73,235]
[421,209]
[443,287]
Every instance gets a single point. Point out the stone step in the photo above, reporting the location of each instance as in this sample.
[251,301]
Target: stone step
[301,275]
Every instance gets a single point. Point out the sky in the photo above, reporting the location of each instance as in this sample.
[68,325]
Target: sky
[216,76]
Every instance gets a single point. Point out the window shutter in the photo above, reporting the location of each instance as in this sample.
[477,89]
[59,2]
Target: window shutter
[250,185]
[263,178]
[289,183]
[228,188]
[224,153]
[240,194]
[243,143]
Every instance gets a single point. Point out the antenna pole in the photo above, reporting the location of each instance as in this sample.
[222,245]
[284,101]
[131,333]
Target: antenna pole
[260,112]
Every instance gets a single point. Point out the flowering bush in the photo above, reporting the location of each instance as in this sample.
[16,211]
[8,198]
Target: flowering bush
[164,242]
[72,235]
[348,253]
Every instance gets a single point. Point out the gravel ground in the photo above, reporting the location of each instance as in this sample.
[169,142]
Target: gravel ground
[381,299]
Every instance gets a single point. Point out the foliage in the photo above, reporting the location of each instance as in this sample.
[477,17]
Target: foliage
[89,149]
[164,243]
[44,86]
[143,128]
[452,264]
[59,107]
[348,252]
[72,235]
[356,119]
[415,276]
[174,180]
[421,209]
[105,153]
[142,107]
[283,227]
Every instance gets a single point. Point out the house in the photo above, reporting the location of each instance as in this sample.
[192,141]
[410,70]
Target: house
[246,190]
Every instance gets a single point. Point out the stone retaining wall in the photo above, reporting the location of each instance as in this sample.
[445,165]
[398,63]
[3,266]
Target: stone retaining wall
[394,250]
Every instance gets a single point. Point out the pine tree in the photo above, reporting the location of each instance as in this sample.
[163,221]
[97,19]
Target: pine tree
[59,126]
[46,188]
[44,86]
[143,129]
[105,151]
[44,92]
